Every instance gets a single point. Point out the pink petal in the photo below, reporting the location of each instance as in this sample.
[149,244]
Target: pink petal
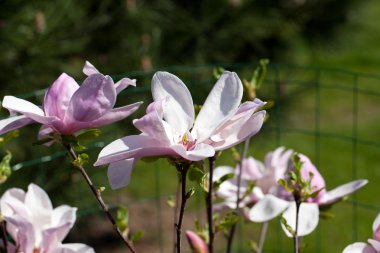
[278,161]
[119,173]
[339,192]
[13,123]
[317,182]
[124,83]
[133,146]
[375,244]
[57,97]
[220,105]
[200,152]
[239,131]
[89,69]
[116,114]
[359,247]
[25,236]
[62,220]
[252,169]
[152,125]
[196,243]
[95,97]
[308,218]
[267,209]
[26,108]
[179,112]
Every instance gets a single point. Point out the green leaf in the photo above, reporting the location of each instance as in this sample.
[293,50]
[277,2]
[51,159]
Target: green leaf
[89,134]
[81,160]
[284,183]
[252,245]
[249,189]
[287,226]
[229,220]
[122,218]
[205,183]
[190,193]
[5,167]
[217,72]
[225,177]
[259,74]
[195,174]
[137,236]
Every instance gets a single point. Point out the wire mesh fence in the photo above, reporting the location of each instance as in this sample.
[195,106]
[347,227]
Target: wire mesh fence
[331,115]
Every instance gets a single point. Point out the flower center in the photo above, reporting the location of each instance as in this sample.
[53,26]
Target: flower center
[187,141]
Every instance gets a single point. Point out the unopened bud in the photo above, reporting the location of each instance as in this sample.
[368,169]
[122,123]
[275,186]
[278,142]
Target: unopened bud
[197,245]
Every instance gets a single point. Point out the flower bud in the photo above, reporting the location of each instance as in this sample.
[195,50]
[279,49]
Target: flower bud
[197,245]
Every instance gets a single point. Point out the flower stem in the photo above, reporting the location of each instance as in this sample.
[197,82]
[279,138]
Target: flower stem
[233,228]
[182,170]
[295,238]
[98,196]
[4,235]
[209,205]
[263,235]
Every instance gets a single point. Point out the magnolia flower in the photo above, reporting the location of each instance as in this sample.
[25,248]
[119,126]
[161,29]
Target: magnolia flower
[275,202]
[35,226]
[269,199]
[361,247]
[197,244]
[168,128]
[68,107]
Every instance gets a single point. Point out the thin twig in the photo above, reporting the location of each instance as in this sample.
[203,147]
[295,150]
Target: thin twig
[4,235]
[295,238]
[182,169]
[98,196]
[233,228]
[209,205]
[175,214]
[263,234]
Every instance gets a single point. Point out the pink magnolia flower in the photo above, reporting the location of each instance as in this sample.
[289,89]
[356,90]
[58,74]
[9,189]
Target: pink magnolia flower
[361,247]
[168,128]
[35,226]
[68,107]
[197,244]
[270,199]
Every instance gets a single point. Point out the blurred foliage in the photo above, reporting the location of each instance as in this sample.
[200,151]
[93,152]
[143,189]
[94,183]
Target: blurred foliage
[40,39]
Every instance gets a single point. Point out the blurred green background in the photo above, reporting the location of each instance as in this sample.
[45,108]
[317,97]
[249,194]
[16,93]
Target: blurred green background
[331,115]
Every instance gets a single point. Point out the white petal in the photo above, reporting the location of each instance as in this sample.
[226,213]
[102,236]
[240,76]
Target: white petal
[26,108]
[221,104]
[375,244]
[376,223]
[221,171]
[200,152]
[339,192]
[267,208]
[179,111]
[119,173]
[308,218]
[73,248]
[40,207]
[359,247]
